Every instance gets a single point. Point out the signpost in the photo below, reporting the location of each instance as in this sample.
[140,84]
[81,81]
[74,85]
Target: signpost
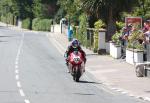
[135,21]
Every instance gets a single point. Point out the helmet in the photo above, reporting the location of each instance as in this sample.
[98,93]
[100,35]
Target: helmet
[75,43]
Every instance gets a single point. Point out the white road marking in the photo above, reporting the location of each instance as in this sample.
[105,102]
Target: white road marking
[18,84]
[131,95]
[26,101]
[16,66]
[16,63]
[17,58]
[17,77]
[17,71]
[21,92]
[147,98]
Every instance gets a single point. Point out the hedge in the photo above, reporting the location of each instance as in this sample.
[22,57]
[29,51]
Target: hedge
[26,23]
[41,24]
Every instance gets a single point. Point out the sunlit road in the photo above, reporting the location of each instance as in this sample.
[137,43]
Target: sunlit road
[33,71]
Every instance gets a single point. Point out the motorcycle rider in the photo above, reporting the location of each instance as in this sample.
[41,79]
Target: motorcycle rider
[75,45]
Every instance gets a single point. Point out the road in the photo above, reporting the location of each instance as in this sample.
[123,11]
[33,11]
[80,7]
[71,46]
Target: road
[32,70]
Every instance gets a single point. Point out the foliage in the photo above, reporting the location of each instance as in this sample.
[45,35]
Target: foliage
[100,9]
[83,29]
[119,25]
[98,25]
[115,38]
[9,18]
[3,19]
[37,8]
[35,24]
[142,9]
[41,24]
[26,23]
[59,15]
[134,40]
[71,8]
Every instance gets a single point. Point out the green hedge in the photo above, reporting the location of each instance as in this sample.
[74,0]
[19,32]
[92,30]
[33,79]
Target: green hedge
[41,24]
[9,18]
[26,23]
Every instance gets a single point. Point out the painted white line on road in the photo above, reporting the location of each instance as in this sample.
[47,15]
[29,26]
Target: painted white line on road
[17,58]
[26,101]
[131,95]
[17,71]
[17,77]
[16,66]
[21,92]
[124,92]
[147,98]
[18,84]
[16,63]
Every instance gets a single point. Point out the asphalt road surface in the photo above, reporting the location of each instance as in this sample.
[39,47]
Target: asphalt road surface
[32,70]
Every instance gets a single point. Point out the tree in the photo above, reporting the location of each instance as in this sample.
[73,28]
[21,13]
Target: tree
[142,9]
[44,8]
[108,10]
[72,8]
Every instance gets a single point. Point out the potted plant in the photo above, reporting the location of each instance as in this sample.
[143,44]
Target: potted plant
[115,46]
[135,48]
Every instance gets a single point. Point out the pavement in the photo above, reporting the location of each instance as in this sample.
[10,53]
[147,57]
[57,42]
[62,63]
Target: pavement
[114,73]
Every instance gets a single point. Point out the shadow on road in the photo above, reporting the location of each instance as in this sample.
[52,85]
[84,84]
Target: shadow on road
[3,41]
[91,54]
[88,82]
[5,36]
[83,93]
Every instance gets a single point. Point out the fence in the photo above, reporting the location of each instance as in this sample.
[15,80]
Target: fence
[86,38]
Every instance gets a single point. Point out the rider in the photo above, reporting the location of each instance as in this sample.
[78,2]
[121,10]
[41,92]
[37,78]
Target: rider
[75,45]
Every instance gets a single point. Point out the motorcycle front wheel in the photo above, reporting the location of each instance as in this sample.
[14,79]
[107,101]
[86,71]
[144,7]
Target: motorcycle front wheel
[76,74]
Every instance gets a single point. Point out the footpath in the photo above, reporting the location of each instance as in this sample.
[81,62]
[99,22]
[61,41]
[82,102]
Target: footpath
[114,73]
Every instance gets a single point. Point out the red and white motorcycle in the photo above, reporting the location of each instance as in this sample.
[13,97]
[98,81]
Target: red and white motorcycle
[76,65]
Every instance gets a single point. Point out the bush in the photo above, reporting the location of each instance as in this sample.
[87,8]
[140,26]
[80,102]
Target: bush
[115,38]
[3,18]
[119,25]
[9,18]
[134,40]
[26,23]
[41,24]
[35,24]
[44,25]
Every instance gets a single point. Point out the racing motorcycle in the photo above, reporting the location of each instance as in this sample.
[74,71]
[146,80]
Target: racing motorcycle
[76,65]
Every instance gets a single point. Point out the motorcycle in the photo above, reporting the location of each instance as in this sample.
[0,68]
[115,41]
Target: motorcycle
[76,65]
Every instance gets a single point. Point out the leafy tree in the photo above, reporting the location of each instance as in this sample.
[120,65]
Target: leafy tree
[72,8]
[44,8]
[142,9]
[108,10]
